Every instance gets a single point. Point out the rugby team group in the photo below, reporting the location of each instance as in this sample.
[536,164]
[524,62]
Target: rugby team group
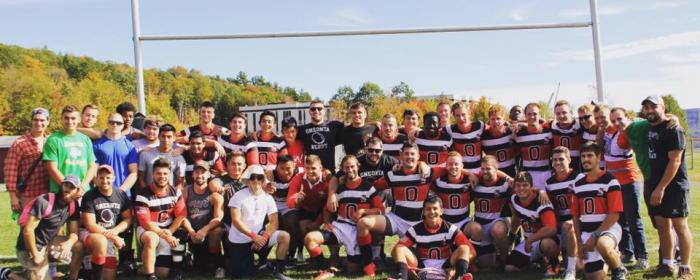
[562,195]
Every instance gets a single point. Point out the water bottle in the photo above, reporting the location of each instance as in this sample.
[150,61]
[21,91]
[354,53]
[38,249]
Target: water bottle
[15,216]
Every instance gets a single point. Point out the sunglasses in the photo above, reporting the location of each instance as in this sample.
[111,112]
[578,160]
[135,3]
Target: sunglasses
[257,177]
[373,151]
[115,123]
[585,117]
[316,109]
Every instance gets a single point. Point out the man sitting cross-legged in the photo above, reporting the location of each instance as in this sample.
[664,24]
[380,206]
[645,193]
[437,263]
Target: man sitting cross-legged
[356,199]
[440,247]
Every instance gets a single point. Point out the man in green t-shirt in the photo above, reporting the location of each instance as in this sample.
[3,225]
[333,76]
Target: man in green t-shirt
[69,152]
[637,133]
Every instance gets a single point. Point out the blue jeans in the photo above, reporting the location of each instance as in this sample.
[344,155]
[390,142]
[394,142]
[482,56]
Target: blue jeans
[633,240]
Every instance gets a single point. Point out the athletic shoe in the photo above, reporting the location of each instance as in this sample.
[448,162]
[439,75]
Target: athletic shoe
[126,268]
[662,271]
[619,273]
[570,275]
[300,257]
[467,276]
[324,274]
[642,264]
[628,259]
[370,270]
[552,271]
[685,274]
[220,273]
[280,276]
[152,277]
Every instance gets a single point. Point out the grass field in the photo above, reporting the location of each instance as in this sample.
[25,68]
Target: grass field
[9,231]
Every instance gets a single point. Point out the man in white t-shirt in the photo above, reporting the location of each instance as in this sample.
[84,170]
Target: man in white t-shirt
[249,233]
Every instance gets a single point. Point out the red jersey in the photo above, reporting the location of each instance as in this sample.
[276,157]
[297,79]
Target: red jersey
[434,243]
[455,197]
[296,151]
[568,136]
[534,215]
[467,143]
[245,145]
[269,149]
[490,200]
[356,195]
[594,200]
[619,157]
[409,191]
[316,194]
[500,146]
[535,148]
[434,151]
[160,207]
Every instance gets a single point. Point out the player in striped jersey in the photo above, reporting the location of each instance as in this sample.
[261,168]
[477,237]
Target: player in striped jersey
[356,198]
[433,142]
[206,126]
[489,229]
[237,140]
[278,187]
[588,124]
[408,188]
[270,146]
[440,247]
[559,189]
[595,207]
[391,138]
[539,225]
[534,141]
[566,132]
[466,136]
[160,210]
[454,189]
[497,141]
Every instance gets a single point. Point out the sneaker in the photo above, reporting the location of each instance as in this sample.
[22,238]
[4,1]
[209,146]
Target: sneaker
[370,270]
[152,277]
[570,275]
[280,276]
[642,264]
[662,271]
[467,276]
[324,274]
[300,257]
[628,259]
[619,273]
[126,268]
[220,273]
[685,274]
[552,271]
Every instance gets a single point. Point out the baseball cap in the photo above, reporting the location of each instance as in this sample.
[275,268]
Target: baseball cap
[255,169]
[72,179]
[654,99]
[202,164]
[40,111]
[105,167]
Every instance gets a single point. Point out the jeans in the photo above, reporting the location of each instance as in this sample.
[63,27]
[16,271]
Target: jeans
[633,240]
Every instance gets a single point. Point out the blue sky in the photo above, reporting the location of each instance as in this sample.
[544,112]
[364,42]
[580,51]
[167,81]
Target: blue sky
[649,47]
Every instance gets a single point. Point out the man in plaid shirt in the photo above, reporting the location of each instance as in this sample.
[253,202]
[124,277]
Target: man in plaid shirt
[24,153]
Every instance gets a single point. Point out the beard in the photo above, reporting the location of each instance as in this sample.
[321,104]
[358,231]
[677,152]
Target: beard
[652,117]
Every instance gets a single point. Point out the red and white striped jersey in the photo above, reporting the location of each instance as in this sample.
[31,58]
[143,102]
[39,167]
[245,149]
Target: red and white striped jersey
[354,196]
[500,146]
[534,215]
[434,244]
[567,136]
[269,149]
[594,200]
[434,151]
[535,148]
[467,143]
[490,200]
[455,197]
[560,193]
[160,207]
[393,148]
[245,145]
[409,191]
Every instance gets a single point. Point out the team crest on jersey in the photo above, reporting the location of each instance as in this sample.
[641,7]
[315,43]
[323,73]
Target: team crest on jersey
[600,192]
[364,198]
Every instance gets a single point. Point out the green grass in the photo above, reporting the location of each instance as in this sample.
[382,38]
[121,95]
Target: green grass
[9,233]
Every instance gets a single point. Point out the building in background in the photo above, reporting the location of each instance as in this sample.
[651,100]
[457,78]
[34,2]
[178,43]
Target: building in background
[693,117]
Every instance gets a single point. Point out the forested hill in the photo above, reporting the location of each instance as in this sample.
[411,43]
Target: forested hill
[40,77]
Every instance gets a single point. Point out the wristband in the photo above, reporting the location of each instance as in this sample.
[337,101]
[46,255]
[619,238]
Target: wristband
[266,235]
[251,234]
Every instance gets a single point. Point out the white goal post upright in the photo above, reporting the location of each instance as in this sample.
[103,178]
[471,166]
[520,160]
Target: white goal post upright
[138,38]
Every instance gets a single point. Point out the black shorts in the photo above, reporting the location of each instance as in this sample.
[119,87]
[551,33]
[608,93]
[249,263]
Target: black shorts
[674,204]
[306,215]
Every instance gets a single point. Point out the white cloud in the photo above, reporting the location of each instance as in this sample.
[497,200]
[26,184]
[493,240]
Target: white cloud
[679,58]
[585,12]
[665,4]
[347,18]
[621,50]
[518,14]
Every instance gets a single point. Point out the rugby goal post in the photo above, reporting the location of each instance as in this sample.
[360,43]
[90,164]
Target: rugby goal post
[139,38]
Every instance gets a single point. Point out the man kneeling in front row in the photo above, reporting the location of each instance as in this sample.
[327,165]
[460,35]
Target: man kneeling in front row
[440,245]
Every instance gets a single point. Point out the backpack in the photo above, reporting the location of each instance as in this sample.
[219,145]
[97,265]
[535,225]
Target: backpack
[24,217]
